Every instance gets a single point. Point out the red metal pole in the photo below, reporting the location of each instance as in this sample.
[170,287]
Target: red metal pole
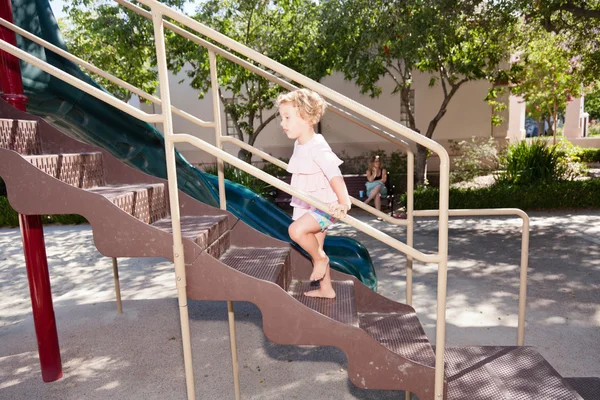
[31,225]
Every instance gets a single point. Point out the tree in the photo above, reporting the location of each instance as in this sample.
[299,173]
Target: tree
[577,19]
[282,30]
[115,40]
[592,104]
[547,76]
[455,41]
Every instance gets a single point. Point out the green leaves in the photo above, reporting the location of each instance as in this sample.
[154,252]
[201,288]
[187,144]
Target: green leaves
[113,39]
[283,30]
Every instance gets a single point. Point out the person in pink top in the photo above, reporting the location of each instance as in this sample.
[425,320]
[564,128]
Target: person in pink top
[315,171]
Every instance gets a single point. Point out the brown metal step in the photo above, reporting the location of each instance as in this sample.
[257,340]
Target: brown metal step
[503,373]
[146,202]
[204,230]
[20,136]
[82,170]
[588,388]
[267,263]
[341,309]
[400,333]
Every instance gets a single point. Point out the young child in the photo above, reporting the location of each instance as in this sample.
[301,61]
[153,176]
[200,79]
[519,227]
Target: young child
[315,171]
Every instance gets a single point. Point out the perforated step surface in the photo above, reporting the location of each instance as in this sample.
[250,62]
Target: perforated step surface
[503,373]
[401,334]
[588,388]
[204,230]
[341,309]
[146,202]
[262,263]
[82,170]
[20,136]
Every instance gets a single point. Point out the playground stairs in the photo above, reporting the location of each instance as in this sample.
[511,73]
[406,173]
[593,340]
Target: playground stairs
[47,172]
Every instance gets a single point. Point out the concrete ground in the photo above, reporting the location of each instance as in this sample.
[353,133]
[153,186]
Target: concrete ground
[138,355]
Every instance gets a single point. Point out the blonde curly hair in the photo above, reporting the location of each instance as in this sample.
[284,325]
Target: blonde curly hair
[310,105]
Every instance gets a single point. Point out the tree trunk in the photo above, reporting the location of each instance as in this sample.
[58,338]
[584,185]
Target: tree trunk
[421,165]
[245,155]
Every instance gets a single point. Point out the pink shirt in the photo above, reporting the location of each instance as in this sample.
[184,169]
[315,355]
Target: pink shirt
[313,165]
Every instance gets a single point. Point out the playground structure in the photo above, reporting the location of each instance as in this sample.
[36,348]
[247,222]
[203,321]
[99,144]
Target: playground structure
[219,257]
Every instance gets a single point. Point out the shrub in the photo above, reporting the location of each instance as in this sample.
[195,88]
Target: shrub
[10,218]
[243,178]
[531,163]
[589,155]
[594,130]
[479,156]
[583,194]
[570,158]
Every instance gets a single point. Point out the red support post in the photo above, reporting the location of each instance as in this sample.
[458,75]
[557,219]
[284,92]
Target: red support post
[32,231]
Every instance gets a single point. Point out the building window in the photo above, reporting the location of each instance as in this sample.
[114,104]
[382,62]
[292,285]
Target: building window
[404,109]
[228,120]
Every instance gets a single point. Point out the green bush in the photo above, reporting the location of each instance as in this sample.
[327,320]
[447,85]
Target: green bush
[10,218]
[531,163]
[243,178]
[474,158]
[589,155]
[582,194]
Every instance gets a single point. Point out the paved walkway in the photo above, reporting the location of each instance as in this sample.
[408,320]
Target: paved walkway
[138,355]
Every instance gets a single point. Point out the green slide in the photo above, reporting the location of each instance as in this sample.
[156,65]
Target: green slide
[140,145]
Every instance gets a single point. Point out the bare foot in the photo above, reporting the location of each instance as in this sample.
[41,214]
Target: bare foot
[319,269]
[323,293]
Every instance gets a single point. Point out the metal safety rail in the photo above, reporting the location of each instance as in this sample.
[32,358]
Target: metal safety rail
[400,132]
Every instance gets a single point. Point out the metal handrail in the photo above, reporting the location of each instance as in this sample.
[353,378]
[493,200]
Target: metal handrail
[177,138]
[281,164]
[158,13]
[265,74]
[103,74]
[193,119]
[524,251]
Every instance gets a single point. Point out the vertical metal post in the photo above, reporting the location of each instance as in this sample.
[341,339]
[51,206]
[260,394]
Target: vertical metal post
[410,196]
[523,282]
[178,251]
[410,200]
[31,225]
[223,205]
[117,285]
[440,331]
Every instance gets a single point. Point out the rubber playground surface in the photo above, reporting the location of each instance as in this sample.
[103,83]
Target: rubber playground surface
[138,355]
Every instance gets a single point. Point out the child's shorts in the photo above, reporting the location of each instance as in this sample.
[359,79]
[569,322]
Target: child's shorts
[325,220]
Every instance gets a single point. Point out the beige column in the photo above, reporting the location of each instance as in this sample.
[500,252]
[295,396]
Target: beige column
[573,119]
[516,119]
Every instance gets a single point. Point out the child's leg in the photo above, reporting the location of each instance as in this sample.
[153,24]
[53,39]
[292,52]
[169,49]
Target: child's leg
[303,231]
[326,289]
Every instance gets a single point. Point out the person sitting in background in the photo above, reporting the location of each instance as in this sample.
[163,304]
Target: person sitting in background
[376,177]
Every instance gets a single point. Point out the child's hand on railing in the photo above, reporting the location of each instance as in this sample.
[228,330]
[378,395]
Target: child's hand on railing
[338,210]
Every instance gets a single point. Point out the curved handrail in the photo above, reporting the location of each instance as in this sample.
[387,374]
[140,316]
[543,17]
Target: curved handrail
[524,251]
[297,77]
[365,228]
[197,121]
[259,71]
[104,74]
[159,11]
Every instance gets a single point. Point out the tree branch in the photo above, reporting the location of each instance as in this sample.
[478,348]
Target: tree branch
[260,128]
[579,11]
[233,118]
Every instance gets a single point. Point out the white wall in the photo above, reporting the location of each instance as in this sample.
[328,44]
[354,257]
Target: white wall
[467,115]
